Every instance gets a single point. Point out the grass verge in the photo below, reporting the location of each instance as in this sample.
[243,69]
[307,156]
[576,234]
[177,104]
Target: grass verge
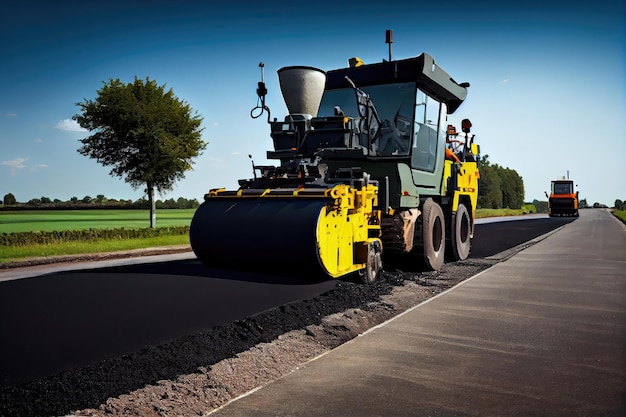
[12,254]
[526,209]
[620,214]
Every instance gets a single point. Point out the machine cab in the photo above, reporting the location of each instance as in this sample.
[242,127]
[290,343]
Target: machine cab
[406,124]
[562,187]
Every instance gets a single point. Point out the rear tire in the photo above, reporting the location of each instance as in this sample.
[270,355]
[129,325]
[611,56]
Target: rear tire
[374,263]
[433,235]
[460,234]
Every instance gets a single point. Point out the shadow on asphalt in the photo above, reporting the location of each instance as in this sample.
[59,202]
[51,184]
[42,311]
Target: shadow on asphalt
[282,273]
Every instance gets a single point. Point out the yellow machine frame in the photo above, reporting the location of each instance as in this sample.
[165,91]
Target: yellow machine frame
[346,228]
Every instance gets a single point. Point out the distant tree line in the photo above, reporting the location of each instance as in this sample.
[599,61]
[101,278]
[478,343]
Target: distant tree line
[100,201]
[620,205]
[498,188]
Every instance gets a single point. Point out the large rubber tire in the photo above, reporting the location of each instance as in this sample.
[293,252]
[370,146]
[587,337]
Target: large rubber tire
[374,263]
[460,234]
[433,235]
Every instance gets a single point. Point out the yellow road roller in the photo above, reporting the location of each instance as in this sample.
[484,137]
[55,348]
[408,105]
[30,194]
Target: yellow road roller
[367,165]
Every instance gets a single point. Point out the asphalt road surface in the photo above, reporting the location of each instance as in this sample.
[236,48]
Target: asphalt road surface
[60,320]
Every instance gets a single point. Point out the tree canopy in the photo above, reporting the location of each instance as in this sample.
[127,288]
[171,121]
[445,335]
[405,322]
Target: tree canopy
[143,131]
[9,199]
[499,187]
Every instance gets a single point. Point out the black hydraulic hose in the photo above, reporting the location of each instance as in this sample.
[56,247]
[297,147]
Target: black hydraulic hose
[261,92]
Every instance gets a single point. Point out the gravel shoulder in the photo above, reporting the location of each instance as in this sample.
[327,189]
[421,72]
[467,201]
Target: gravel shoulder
[218,365]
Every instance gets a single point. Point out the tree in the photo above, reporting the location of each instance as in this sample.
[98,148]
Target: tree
[9,200]
[512,188]
[489,185]
[167,204]
[144,132]
[499,187]
[541,206]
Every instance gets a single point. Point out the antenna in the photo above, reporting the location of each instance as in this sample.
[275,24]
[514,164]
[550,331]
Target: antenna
[389,40]
[253,167]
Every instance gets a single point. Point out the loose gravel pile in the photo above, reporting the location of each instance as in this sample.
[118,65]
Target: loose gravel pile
[200,372]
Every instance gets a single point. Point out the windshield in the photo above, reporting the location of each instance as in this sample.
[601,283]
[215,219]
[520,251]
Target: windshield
[562,188]
[394,103]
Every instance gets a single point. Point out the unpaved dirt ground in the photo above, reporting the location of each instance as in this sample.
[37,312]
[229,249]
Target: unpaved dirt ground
[198,373]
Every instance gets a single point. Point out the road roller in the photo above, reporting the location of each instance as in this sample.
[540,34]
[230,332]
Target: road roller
[367,165]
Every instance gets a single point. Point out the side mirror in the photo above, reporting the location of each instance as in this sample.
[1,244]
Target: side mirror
[466,125]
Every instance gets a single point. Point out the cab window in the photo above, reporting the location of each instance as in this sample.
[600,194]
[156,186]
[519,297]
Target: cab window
[429,117]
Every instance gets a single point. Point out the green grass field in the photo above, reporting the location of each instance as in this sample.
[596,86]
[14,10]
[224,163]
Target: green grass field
[60,220]
[56,220]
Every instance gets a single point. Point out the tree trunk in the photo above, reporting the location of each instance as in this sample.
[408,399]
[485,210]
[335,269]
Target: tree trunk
[152,203]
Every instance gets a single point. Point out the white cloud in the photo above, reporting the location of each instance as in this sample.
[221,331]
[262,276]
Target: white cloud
[70,125]
[11,114]
[16,163]
[214,162]
[20,163]
[506,80]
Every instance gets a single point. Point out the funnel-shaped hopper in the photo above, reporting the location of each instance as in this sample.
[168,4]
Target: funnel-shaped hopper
[302,89]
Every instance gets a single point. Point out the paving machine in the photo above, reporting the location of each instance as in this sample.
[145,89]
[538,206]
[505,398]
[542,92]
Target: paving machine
[563,200]
[367,164]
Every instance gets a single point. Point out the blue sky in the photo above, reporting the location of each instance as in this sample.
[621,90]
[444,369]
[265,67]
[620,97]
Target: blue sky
[547,82]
